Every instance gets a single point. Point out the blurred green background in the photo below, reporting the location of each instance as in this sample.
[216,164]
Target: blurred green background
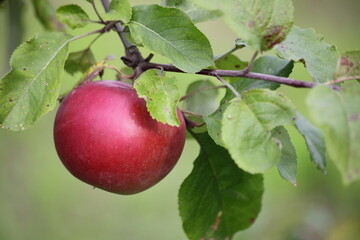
[39,199]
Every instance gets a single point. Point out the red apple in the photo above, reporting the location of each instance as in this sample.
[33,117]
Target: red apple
[105,137]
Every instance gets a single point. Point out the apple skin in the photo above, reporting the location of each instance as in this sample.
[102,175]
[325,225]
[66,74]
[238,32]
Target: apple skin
[105,137]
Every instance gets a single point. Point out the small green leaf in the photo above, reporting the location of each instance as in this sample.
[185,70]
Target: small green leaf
[305,45]
[119,10]
[260,23]
[218,199]
[287,165]
[79,61]
[32,86]
[90,1]
[202,102]
[252,117]
[337,113]
[314,139]
[196,14]
[170,32]
[72,15]
[349,65]
[161,95]
[45,13]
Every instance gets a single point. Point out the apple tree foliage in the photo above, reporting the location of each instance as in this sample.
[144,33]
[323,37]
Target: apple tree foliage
[240,137]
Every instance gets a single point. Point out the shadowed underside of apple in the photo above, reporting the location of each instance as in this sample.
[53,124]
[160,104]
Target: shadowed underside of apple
[105,137]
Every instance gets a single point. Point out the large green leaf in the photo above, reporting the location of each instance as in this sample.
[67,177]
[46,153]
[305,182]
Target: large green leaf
[287,165]
[79,61]
[337,113]
[32,86]
[305,45]
[349,65]
[170,32]
[247,124]
[196,14]
[161,94]
[314,139]
[218,199]
[266,64]
[72,15]
[260,23]
[119,10]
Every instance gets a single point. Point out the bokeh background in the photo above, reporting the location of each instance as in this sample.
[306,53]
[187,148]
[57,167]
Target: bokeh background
[39,199]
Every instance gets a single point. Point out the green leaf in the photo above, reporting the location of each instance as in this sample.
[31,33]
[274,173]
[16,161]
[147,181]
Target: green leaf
[287,165]
[214,123]
[72,15]
[45,13]
[90,1]
[230,62]
[266,64]
[32,86]
[252,117]
[161,95]
[319,58]
[314,139]
[337,113]
[349,65]
[202,102]
[119,10]
[196,14]
[170,32]
[260,23]
[218,199]
[79,61]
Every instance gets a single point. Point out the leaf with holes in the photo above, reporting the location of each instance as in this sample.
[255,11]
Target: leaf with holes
[252,117]
[260,23]
[32,86]
[170,32]
[218,199]
[161,94]
[337,114]
[305,45]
